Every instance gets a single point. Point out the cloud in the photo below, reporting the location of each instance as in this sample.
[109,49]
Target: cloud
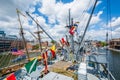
[8,16]
[115,22]
[96,18]
[8,7]
[52,19]
[101,34]
[57,12]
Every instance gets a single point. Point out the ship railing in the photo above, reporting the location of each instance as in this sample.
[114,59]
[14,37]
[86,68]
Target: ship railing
[111,75]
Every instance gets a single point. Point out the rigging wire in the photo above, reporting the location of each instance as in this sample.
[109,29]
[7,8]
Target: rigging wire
[14,42]
[88,23]
[84,18]
[82,15]
[9,62]
[9,55]
[85,10]
[109,18]
[107,23]
[108,39]
[3,61]
[7,52]
[90,4]
[39,26]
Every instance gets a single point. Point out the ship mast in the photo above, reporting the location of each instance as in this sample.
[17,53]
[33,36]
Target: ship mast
[39,37]
[70,25]
[22,34]
[39,26]
[72,37]
[81,42]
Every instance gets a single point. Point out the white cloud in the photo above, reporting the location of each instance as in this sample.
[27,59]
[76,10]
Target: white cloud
[54,11]
[8,17]
[96,18]
[41,20]
[52,19]
[48,7]
[59,11]
[97,34]
[115,22]
[117,29]
[101,34]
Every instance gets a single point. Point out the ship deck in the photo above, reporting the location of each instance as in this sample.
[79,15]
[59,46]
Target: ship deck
[60,67]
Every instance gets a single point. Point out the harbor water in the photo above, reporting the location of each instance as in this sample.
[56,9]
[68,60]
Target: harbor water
[114,64]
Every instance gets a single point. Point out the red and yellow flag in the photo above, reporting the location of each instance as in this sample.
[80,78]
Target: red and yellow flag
[52,49]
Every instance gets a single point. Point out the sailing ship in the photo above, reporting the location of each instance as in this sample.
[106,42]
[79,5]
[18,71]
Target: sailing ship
[79,60]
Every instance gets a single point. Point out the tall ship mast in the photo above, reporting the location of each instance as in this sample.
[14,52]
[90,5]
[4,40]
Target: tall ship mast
[21,33]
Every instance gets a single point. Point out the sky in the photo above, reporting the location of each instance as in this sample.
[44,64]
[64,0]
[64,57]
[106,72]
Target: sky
[52,15]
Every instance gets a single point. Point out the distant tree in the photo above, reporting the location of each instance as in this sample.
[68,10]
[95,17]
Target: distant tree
[36,47]
[53,42]
[103,43]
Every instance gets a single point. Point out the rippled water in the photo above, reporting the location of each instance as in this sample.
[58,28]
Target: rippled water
[114,64]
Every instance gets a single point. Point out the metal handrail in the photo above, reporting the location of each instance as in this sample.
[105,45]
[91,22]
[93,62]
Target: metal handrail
[109,72]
